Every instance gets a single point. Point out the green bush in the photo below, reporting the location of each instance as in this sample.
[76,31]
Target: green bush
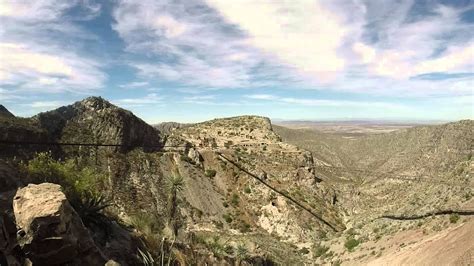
[75,180]
[82,186]
[210,173]
[351,243]
[247,190]
[320,251]
[227,218]
[235,200]
[454,218]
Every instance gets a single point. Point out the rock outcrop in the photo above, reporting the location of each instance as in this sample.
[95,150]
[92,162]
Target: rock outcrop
[4,112]
[50,232]
[95,120]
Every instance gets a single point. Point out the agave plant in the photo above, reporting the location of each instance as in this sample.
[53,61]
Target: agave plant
[89,207]
[146,257]
[174,184]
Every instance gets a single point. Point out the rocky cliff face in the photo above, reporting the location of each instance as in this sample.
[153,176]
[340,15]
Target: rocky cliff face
[218,198]
[94,120]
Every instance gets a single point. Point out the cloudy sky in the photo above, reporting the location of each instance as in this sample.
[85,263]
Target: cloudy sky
[192,60]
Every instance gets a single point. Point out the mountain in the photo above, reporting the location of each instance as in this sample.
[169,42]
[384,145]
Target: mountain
[168,127]
[407,172]
[218,200]
[229,191]
[94,120]
[4,112]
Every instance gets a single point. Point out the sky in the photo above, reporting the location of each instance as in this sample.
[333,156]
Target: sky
[193,60]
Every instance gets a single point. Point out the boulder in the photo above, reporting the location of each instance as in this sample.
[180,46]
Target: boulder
[50,232]
[195,156]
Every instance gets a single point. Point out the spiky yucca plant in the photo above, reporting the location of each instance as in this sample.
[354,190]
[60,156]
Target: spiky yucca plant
[174,184]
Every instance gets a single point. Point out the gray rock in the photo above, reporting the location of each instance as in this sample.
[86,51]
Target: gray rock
[50,232]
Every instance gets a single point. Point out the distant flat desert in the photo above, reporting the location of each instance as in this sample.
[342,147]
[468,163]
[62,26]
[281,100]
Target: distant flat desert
[352,127]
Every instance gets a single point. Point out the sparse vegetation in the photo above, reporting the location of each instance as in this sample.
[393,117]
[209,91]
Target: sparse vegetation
[210,173]
[320,251]
[75,179]
[351,244]
[234,200]
[454,218]
[174,184]
[228,218]
[186,158]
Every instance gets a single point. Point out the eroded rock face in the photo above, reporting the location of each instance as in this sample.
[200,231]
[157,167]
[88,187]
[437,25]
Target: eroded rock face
[195,156]
[96,120]
[50,232]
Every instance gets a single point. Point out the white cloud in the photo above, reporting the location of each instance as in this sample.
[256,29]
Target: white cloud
[151,98]
[27,68]
[366,53]
[34,10]
[200,97]
[135,84]
[408,47]
[303,34]
[33,40]
[325,102]
[189,42]
[47,105]
[260,96]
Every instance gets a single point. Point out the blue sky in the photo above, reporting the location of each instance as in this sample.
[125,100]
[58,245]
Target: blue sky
[193,60]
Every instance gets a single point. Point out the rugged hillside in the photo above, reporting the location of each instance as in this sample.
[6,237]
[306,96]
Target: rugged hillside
[403,173]
[168,127]
[230,191]
[94,120]
[4,112]
[413,151]
[221,208]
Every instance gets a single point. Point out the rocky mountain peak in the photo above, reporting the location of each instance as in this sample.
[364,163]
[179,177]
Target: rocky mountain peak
[4,112]
[95,103]
[240,129]
[95,119]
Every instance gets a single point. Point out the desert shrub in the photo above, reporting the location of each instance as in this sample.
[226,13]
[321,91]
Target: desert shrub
[216,247]
[90,207]
[174,184]
[320,251]
[148,226]
[242,252]
[210,173]
[227,218]
[229,249]
[243,227]
[82,186]
[75,180]
[322,235]
[234,200]
[351,243]
[454,218]
[304,251]
[228,144]
[187,159]
[247,190]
